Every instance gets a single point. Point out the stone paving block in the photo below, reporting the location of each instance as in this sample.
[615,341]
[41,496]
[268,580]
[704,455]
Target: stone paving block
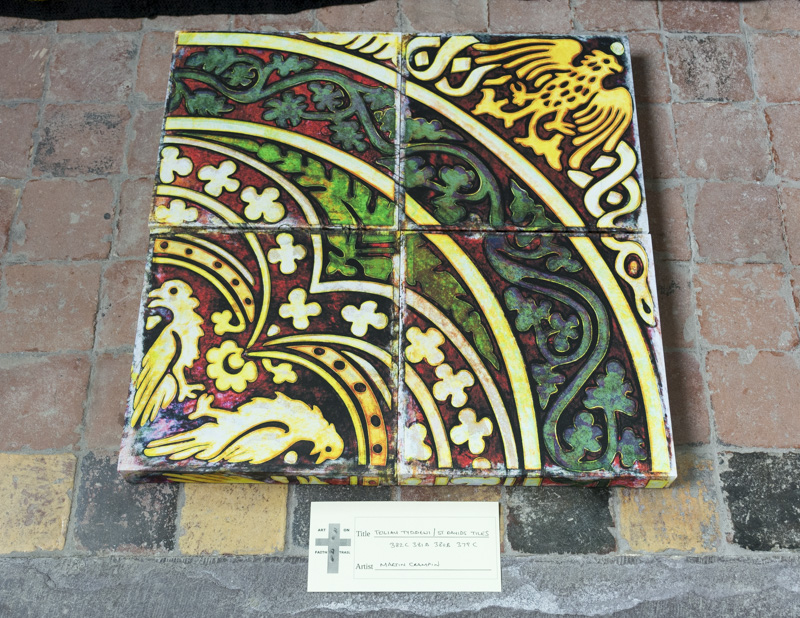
[63,219]
[452,493]
[709,68]
[446,15]
[649,68]
[737,221]
[754,400]
[98,25]
[96,69]
[113,515]
[559,520]
[722,141]
[784,129]
[135,200]
[82,139]
[34,511]
[790,201]
[105,411]
[657,135]
[289,22]
[43,392]
[616,15]
[774,59]
[49,307]
[701,16]
[22,66]
[120,298]
[772,15]
[20,24]
[669,223]
[682,517]
[233,519]
[687,395]
[744,305]
[530,16]
[172,23]
[142,148]
[762,492]
[376,16]
[153,68]
[18,123]
[676,304]
[9,196]
[303,495]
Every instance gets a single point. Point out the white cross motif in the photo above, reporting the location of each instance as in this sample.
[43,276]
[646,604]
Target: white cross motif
[176,214]
[263,205]
[287,255]
[173,163]
[450,385]
[219,178]
[425,346]
[415,443]
[472,431]
[364,317]
[298,310]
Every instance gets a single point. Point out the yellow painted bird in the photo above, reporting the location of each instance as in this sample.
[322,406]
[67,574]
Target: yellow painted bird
[241,435]
[582,108]
[175,350]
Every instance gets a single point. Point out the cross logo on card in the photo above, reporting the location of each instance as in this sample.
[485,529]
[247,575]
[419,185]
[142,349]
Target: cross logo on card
[333,541]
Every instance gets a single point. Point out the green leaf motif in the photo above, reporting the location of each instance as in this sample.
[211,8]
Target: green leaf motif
[215,60]
[528,312]
[564,330]
[207,103]
[417,173]
[561,257]
[525,211]
[453,180]
[420,130]
[631,448]
[445,290]
[346,249]
[380,98]
[348,135]
[547,381]
[288,110]
[326,96]
[239,75]
[612,392]
[289,64]
[387,120]
[584,434]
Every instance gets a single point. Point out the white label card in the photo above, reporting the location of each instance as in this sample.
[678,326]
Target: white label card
[404,547]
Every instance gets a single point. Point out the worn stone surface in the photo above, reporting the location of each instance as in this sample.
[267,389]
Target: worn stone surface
[784,129]
[700,16]
[657,134]
[446,15]
[34,511]
[49,307]
[299,20]
[736,221]
[42,392]
[754,400]
[775,58]
[64,219]
[722,141]
[744,305]
[687,398]
[559,520]
[233,519]
[99,25]
[790,200]
[649,68]
[142,157]
[709,68]
[452,493]
[92,69]
[22,66]
[82,139]
[113,515]
[616,15]
[377,16]
[524,16]
[772,15]
[676,304]
[682,517]
[134,208]
[17,123]
[105,412]
[154,62]
[763,496]
[304,495]
[120,298]
[9,196]
[669,225]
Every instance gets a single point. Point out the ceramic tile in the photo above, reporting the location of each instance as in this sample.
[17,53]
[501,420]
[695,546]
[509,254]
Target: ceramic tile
[265,356]
[531,355]
[280,131]
[511,133]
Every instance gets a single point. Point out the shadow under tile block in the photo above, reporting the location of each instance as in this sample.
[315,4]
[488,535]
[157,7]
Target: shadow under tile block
[266,356]
[381,258]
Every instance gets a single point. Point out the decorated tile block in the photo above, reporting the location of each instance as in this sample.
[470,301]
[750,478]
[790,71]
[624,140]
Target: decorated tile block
[265,356]
[523,359]
[381,258]
[506,133]
[280,130]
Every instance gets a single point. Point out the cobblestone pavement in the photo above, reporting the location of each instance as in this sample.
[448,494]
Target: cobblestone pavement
[717,91]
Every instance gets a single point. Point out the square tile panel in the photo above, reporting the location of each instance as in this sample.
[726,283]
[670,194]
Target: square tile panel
[381,258]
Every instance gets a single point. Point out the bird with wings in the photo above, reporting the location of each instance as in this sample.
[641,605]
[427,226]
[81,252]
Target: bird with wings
[563,100]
